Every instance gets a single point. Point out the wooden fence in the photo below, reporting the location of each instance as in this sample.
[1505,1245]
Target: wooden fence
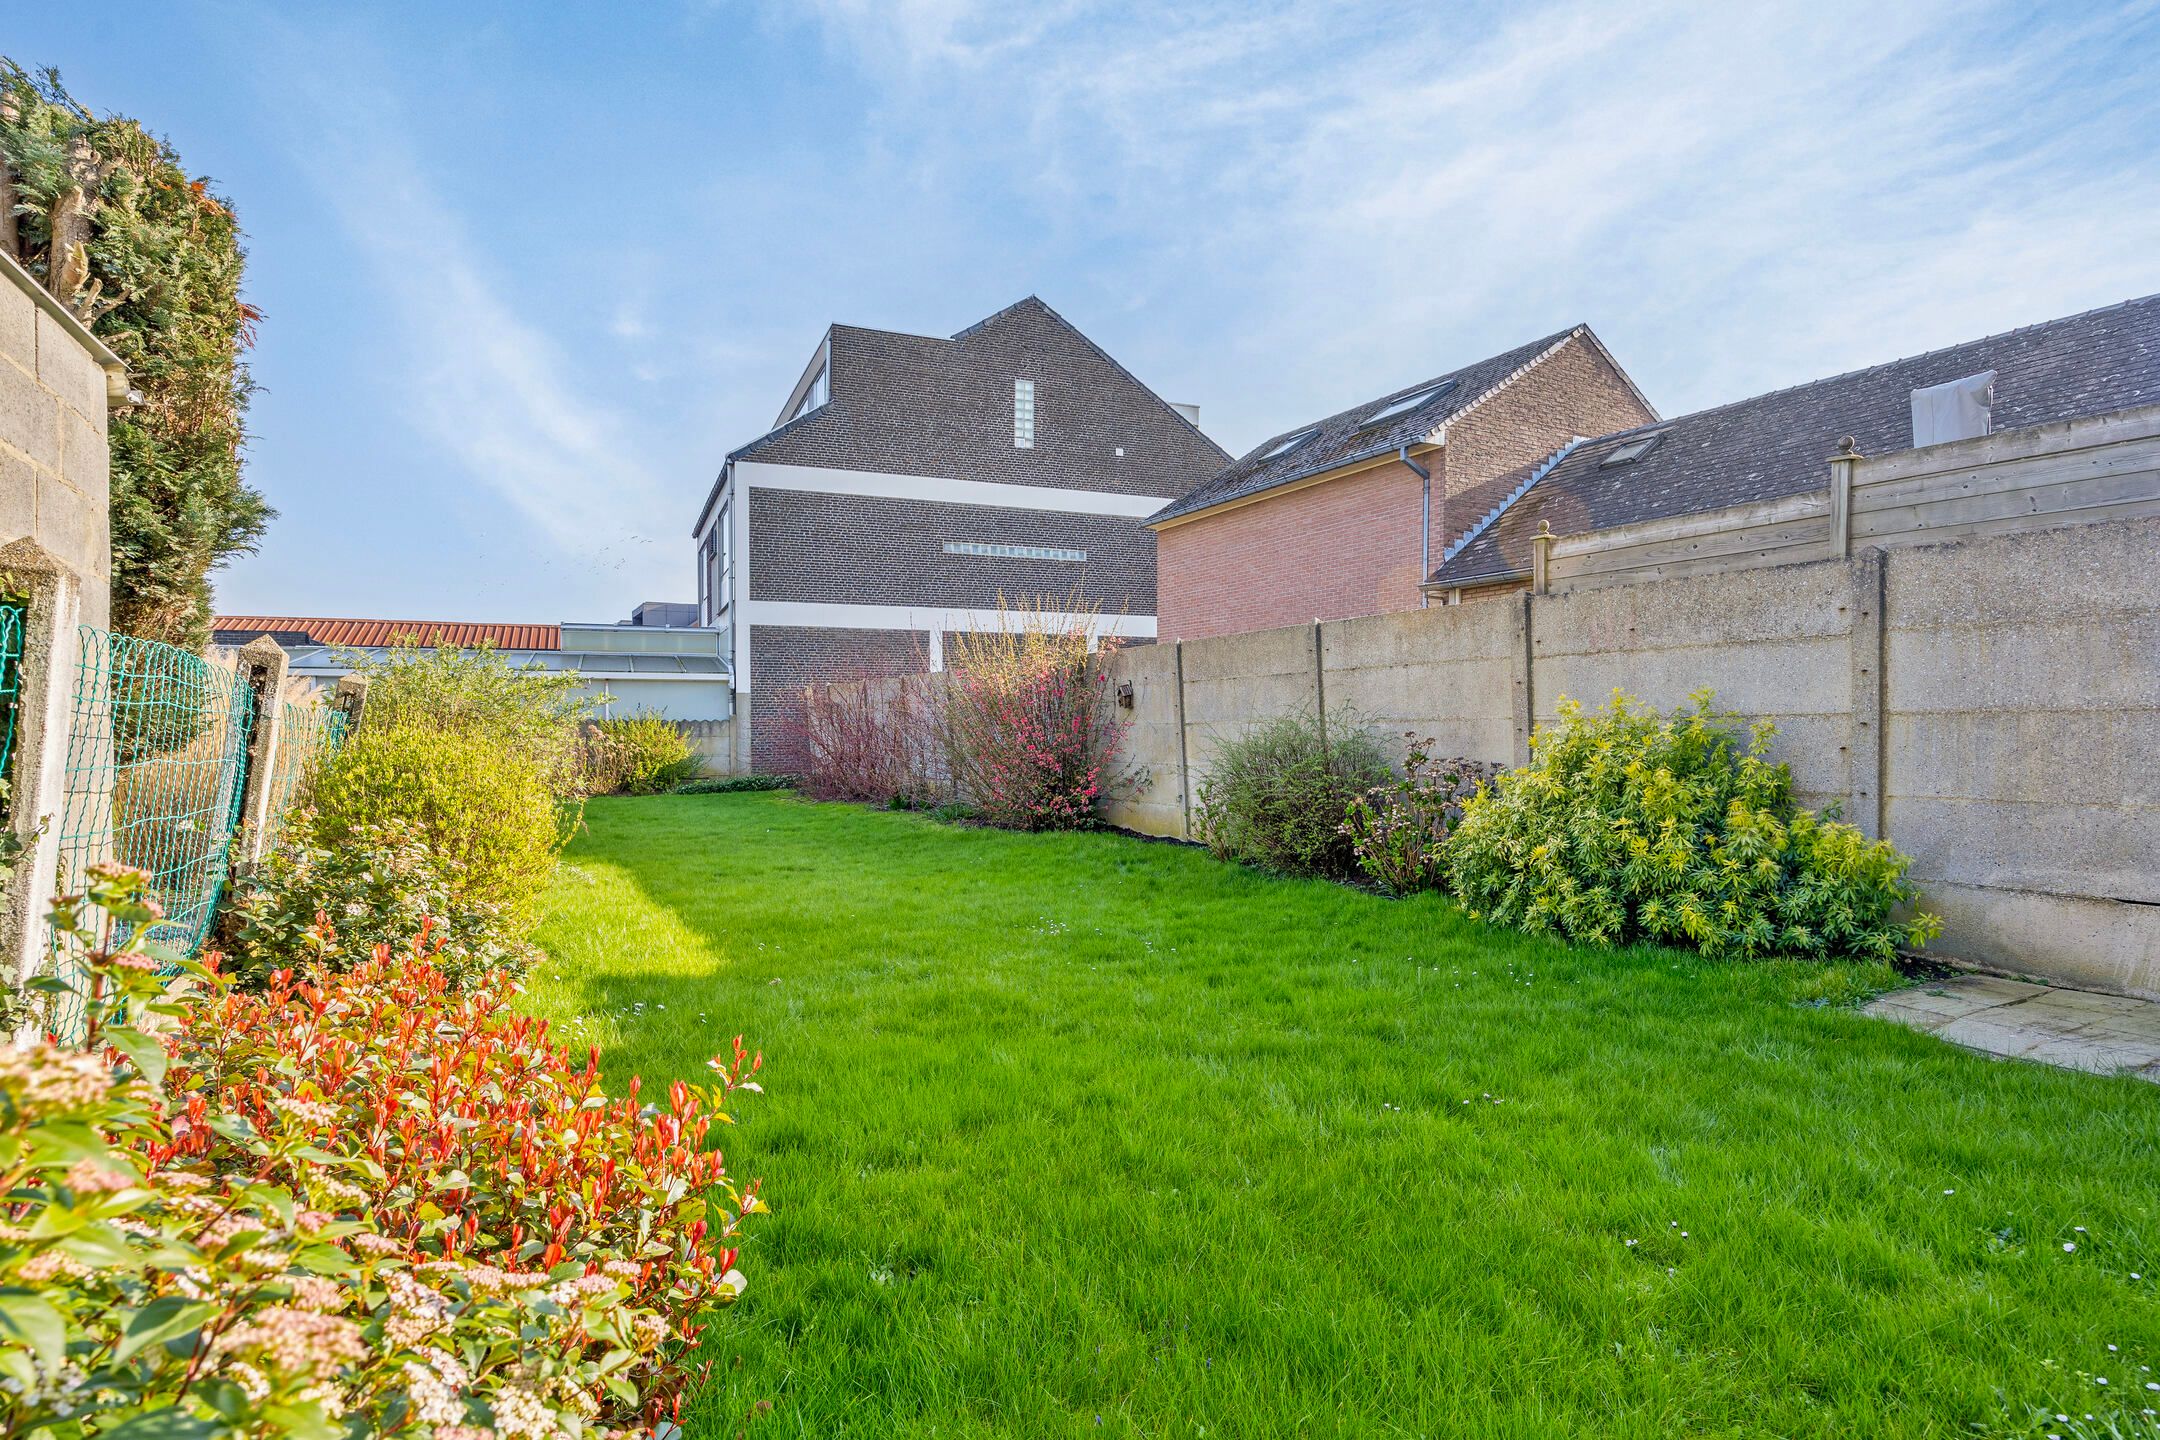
[2103,467]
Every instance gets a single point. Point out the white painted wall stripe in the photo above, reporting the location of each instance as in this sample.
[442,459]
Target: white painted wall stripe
[819,480]
[820,615]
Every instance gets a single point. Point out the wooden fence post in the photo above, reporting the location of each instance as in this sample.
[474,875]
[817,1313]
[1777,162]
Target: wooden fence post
[1541,559]
[262,670]
[43,713]
[1841,479]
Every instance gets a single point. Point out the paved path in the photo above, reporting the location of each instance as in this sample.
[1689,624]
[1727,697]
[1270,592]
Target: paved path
[2106,1034]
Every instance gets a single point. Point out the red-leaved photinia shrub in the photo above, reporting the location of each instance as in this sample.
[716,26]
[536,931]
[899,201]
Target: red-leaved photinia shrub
[312,1213]
[477,1137]
[1028,736]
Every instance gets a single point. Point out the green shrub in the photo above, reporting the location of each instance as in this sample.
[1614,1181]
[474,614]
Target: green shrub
[485,812]
[645,754]
[527,711]
[1629,824]
[1399,830]
[380,885]
[1277,795]
[736,784]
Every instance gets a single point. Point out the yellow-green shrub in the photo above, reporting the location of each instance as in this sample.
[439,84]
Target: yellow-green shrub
[645,754]
[1629,824]
[485,811]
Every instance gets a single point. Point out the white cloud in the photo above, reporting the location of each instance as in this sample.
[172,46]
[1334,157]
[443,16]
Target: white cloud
[1338,198]
[484,379]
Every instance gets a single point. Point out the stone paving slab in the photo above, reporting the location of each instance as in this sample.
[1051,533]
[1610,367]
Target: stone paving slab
[2104,1034]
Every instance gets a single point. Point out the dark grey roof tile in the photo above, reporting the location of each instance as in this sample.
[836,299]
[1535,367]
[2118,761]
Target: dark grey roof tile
[1345,438]
[1780,443]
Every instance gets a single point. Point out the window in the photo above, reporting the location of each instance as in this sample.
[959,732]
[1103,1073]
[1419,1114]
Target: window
[819,391]
[1024,414]
[1017,552]
[1407,403]
[1290,442]
[1632,451]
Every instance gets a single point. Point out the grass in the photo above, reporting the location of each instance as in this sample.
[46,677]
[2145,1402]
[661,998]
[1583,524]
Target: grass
[1084,1135]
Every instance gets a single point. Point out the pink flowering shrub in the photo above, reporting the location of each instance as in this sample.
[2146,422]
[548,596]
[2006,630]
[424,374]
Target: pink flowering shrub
[1027,732]
[373,1207]
[867,739]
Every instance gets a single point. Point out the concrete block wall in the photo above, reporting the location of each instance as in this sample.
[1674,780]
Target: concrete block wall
[54,481]
[2022,746]
[1774,645]
[1147,790]
[1991,705]
[1444,673]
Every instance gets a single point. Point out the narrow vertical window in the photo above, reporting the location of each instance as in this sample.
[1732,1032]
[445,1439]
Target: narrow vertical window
[1024,414]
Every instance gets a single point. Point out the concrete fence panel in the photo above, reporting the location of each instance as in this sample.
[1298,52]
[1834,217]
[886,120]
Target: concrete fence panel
[2022,755]
[1146,792]
[1774,644]
[1443,674]
[1991,704]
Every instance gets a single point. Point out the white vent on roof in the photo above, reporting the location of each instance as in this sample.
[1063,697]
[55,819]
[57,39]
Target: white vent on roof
[1953,410]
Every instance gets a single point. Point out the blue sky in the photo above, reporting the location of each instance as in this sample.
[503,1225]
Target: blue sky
[530,271]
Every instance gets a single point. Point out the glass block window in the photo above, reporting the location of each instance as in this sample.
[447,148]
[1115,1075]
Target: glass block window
[1024,414]
[1017,552]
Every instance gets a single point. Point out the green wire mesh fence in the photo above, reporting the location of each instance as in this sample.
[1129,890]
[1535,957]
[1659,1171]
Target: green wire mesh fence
[308,734]
[157,755]
[11,649]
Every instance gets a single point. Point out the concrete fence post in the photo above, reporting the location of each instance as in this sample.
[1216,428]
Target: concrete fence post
[1523,663]
[1541,558]
[351,697]
[37,801]
[1842,465]
[1319,681]
[1184,759]
[1864,747]
[262,669]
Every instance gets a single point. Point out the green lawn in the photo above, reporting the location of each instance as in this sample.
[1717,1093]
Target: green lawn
[1085,1135]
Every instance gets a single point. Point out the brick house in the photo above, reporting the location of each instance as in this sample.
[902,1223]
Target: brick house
[1344,516]
[1780,444]
[912,481]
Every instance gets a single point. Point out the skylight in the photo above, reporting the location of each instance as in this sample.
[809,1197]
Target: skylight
[1290,442]
[1407,403]
[1633,450]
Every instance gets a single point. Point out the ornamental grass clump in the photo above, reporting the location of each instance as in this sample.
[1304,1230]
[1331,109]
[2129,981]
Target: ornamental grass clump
[1629,824]
[350,1207]
[1028,734]
[1399,830]
[1277,795]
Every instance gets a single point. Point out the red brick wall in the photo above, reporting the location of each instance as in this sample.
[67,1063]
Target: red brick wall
[1330,551]
[1574,391]
[1351,547]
